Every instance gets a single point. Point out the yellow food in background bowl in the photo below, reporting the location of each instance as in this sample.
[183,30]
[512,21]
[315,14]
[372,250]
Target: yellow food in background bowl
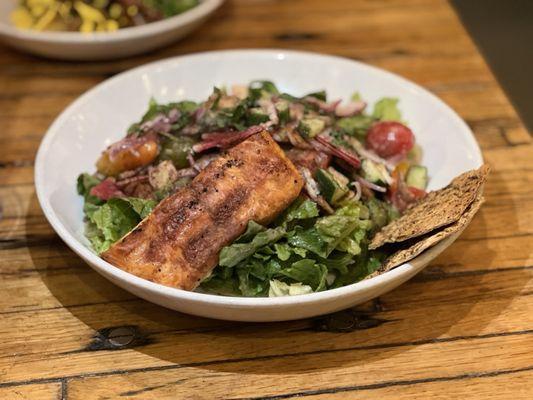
[94,15]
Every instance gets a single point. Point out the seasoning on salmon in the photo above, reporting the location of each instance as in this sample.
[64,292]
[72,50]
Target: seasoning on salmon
[179,242]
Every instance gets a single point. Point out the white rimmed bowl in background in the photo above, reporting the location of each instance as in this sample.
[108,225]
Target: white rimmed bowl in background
[103,45]
[102,115]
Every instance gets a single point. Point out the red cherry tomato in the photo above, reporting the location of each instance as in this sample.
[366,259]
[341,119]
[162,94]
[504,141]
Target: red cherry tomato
[390,139]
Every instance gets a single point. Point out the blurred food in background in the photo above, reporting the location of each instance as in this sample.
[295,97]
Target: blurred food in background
[94,15]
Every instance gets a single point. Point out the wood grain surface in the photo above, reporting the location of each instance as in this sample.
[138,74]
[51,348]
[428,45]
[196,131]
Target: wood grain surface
[461,329]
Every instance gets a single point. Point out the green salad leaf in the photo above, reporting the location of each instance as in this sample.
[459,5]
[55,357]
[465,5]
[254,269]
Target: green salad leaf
[320,95]
[85,183]
[279,288]
[308,272]
[387,109]
[186,108]
[364,264]
[301,249]
[283,251]
[110,221]
[142,207]
[357,125]
[236,252]
[300,209]
[258,89]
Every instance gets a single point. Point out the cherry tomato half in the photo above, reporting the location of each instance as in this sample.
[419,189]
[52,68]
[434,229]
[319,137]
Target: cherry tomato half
[390,139]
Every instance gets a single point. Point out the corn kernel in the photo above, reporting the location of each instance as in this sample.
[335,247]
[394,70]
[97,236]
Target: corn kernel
[112,25]
[115,11]
[132,10]
[22,18]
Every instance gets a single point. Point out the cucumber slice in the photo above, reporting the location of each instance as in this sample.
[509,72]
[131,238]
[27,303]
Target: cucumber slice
[417,176]
[340,178]
[282,107]
[330,188]
[375,173]
[310,127]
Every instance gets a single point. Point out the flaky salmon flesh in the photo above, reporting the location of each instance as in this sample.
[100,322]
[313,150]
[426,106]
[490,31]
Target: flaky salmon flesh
[179,242]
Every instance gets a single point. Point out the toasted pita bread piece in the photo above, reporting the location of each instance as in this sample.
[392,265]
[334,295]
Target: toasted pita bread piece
[412,248]
[439,208]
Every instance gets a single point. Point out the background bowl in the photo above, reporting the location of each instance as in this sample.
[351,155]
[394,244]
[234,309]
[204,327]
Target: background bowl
[103,45]
[102,115]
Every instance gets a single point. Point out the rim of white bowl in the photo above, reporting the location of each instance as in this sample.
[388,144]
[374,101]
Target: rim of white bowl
[203,9]
[87,254]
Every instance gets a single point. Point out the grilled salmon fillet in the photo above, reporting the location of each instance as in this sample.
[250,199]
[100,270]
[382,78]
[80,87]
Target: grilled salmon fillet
[179,242]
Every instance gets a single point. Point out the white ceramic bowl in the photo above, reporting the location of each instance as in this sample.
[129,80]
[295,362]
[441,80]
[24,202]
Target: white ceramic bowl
[102,115]
[103,45]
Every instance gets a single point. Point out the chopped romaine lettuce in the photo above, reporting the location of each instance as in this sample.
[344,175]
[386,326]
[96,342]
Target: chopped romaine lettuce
[327,250]
[279,289]
[283,251]
[308,272]
[300,209]
[110,221]
[85,183]
[235,253]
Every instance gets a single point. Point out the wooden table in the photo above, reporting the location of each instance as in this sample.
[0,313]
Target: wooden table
[461,329]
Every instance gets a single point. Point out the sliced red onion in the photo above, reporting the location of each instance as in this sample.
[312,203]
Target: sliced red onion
[268,107]
[173,115]
[130,173]
[322,159]
[370,185]
[369,154]
[319,147]
[296,111]
[226,140]
[160,123]
[190,130]
[204,146]
[134,179]
[350,109]
[338,151]
[311,187]
[322,105]
[191,160]
[204,161]
[186,173]
[199,113]
[218,135]
[357,186]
